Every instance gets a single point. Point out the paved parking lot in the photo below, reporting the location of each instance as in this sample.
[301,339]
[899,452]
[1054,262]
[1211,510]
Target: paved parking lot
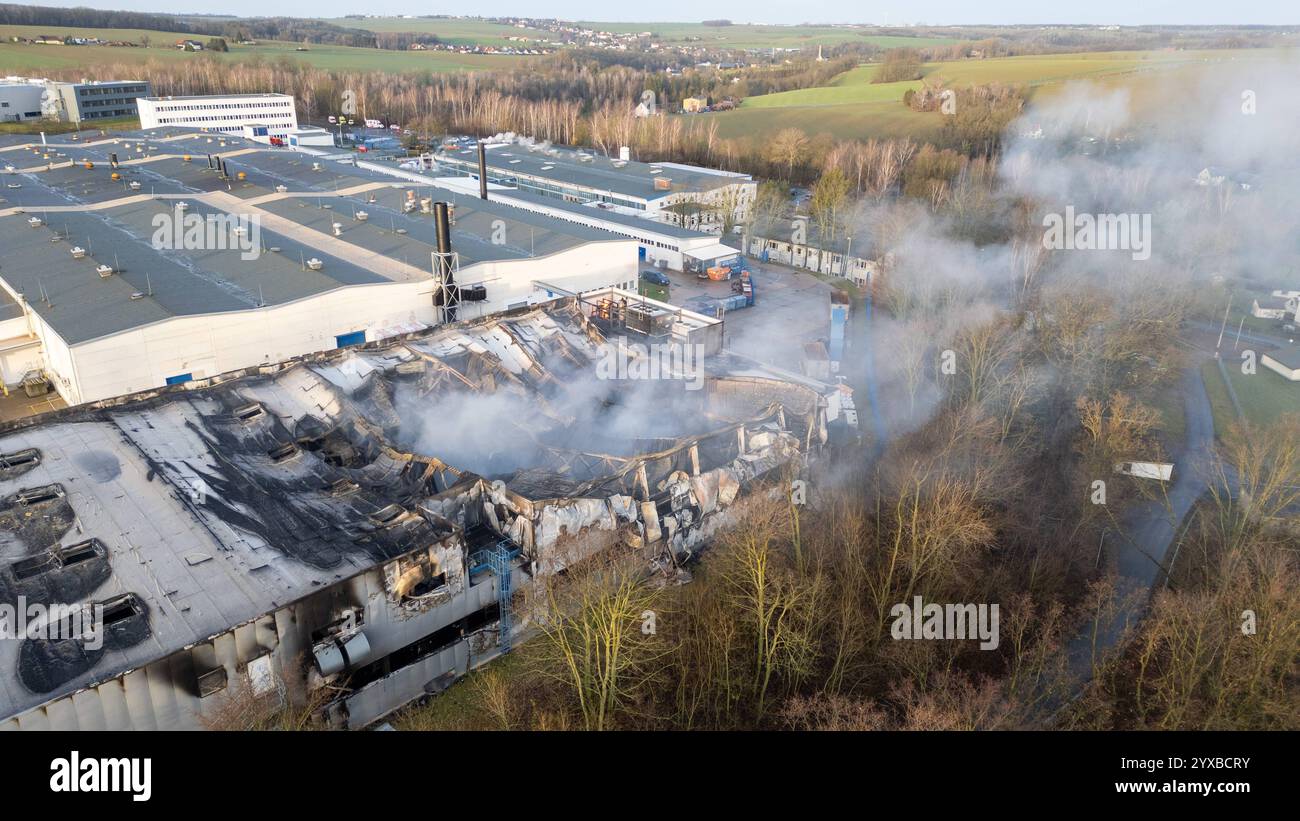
[18,404]
[791,307]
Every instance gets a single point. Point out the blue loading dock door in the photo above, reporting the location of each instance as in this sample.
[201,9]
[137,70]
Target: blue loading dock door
[179,378]
[355,338]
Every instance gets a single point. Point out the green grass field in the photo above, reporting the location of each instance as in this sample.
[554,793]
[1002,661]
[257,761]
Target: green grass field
[20,58]
[1264,395]
[467,32]
[759,36]
[51,127]
[852,106]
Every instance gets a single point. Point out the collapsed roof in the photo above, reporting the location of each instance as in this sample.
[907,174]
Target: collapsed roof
[193,509]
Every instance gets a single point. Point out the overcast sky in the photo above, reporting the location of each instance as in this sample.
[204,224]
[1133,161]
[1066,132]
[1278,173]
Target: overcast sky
[934,12]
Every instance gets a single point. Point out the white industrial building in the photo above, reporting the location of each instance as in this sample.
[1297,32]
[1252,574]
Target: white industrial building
[659,244]
[20,99]
[685,196]
[342,257]
[227,114]
[26,98]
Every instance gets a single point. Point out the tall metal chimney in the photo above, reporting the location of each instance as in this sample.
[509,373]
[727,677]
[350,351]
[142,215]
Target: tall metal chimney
[442,227]
[447,296]
[482,171]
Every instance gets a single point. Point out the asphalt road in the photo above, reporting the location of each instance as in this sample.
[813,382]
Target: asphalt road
[1143,549]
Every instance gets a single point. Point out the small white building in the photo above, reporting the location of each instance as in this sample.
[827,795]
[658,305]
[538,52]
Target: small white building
[225,113]
[311,137]
[1285,361]
[1275,307]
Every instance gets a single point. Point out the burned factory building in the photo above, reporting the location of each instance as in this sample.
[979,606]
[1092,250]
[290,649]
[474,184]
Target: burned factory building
[347,528]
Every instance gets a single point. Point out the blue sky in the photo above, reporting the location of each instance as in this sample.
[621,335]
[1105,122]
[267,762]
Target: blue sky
[1099,12]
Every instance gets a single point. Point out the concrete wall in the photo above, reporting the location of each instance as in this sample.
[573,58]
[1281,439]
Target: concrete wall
[210,344]
[589,267]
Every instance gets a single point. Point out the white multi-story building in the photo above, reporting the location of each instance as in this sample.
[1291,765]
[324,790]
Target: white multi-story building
[227,113]
[23,99]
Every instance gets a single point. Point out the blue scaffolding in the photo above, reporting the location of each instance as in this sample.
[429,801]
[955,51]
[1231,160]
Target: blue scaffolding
[497,559]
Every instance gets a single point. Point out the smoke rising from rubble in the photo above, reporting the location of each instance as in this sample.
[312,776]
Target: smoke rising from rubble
[494,433]
[1221,185]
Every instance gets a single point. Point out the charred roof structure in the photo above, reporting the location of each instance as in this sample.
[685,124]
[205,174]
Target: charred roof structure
[356,518]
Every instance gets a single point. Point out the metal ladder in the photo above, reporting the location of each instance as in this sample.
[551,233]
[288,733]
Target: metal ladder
[497,559]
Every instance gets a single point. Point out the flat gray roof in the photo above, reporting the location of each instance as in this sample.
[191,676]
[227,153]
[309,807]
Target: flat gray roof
[80,305]
[608,215]
[635,179]
[1288,356]
[217,96]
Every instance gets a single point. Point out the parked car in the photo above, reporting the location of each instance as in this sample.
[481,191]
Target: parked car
[656,277]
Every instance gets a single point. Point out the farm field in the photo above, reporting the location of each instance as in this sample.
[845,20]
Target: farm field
[20,58]
[759,36]
[854,107]
[456,31]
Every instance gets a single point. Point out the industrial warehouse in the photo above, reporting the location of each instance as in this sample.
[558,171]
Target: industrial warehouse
[687,196]
[356,522]
[103,300]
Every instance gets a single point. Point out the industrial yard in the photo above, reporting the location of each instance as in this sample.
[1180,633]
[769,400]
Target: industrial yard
[422,376]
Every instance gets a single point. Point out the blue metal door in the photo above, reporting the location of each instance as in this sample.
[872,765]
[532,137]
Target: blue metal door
[179,378]
[354,338]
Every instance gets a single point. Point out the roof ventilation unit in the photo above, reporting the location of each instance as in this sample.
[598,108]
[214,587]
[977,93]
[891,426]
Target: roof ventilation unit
[283,453]
[35,222]
[77,252]
[315,264]
[342,487]
[104,271]
[249,413]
